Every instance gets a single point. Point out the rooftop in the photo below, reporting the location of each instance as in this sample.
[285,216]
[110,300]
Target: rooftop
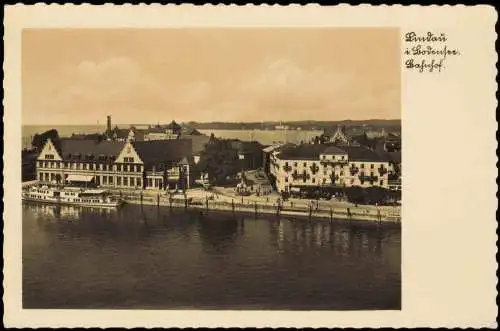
[68,147]
[332,150]
[360,153]
[302,152]
[162,151]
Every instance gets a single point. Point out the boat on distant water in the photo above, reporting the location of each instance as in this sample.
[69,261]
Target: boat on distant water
[76,196]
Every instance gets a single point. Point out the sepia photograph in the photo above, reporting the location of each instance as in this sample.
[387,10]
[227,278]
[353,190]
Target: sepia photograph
[242,166]
[197,168]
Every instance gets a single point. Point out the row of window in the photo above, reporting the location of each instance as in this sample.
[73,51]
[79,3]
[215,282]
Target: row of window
[313,181]
[120,181]
[91,166]
[362,165]
[342,157]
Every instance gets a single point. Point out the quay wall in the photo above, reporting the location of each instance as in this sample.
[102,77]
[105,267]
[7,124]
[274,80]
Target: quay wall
[355,214]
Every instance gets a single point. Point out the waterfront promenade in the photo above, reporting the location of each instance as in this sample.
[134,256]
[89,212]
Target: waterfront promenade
[225,199]
[220,199]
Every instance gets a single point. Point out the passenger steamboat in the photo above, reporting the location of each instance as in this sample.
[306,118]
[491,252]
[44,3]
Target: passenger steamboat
[76,196]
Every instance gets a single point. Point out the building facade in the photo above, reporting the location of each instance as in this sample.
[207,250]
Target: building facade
[294,168]
[158,165]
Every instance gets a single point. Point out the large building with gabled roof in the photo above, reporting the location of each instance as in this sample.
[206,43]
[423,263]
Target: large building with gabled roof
[300,167]
[149,165]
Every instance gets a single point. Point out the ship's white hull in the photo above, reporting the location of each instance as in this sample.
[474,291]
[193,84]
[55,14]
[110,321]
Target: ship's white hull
[48,200]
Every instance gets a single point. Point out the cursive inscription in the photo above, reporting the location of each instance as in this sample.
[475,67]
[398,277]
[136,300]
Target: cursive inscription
[427,52]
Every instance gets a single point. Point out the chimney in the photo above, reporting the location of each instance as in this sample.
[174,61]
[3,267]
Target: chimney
[108,129]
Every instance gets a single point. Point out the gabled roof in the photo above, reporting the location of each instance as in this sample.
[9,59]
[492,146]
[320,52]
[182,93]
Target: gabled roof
[360,153]
[157,152]
[302,152]
[332,150]
[68,147]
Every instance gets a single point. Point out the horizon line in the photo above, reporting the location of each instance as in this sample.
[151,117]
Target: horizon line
[211,122]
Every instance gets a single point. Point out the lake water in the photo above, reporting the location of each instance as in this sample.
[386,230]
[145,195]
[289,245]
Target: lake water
[266,137]
[159,259]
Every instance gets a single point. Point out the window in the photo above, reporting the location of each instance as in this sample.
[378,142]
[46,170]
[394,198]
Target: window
[372,166]
[49,156]
[128,159]
[324,157]
[150,182]
[110,180]
[58,165]
[286,164]
[314,180]
[342,157]
[295,164]
[286,179]
[132,181]
[362,165]
[118,181]
[118,167]
[104,180]
[305,164]
[100,166]
[139,182]
[342,173]
[125,181]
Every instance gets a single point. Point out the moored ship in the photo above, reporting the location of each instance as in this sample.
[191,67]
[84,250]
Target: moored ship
[76,196]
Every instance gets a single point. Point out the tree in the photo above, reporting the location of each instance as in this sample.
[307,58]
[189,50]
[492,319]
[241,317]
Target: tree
[355,194]
[220,161]
[39,140]
[376,195]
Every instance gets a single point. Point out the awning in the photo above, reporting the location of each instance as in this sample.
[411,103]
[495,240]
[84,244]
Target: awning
[80,178]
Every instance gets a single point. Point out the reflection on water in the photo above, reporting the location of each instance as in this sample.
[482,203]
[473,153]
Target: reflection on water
[133,257]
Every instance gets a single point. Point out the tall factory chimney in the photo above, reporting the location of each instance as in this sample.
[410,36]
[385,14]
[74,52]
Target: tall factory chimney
[108,128]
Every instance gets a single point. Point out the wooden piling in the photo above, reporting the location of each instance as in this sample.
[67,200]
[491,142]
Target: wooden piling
[255,204]
[331,215]
[310,212]
[232,205]
[158,200]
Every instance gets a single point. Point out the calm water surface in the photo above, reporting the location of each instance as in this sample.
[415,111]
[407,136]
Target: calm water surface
[148,258]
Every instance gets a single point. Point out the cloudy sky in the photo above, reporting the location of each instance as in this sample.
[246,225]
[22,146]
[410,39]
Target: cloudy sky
[150,76]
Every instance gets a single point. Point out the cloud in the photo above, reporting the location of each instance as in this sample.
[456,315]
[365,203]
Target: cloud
[284,87]
[116,85]
[274,90]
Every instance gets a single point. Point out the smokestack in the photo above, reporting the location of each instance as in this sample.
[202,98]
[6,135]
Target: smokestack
[109,124]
